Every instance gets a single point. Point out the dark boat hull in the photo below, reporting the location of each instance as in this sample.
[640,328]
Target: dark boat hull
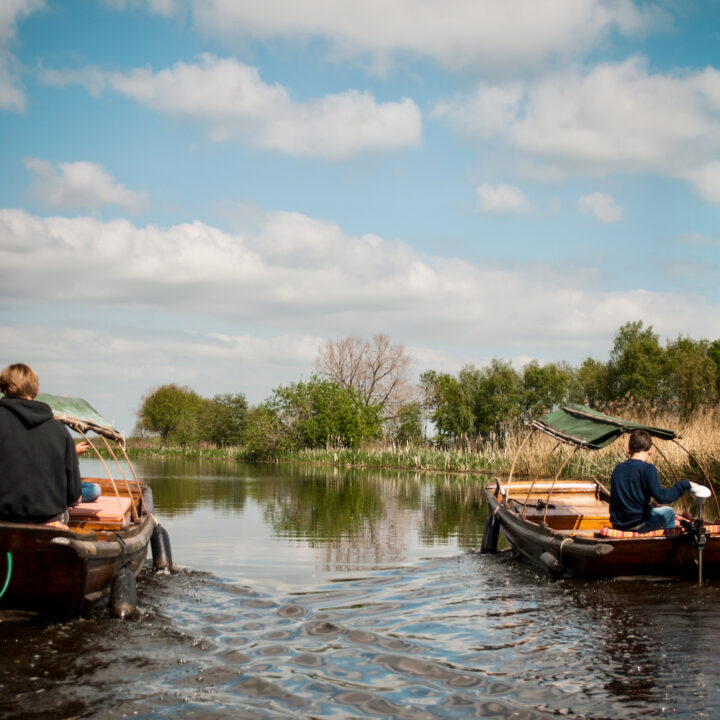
[64,573]
[587,555]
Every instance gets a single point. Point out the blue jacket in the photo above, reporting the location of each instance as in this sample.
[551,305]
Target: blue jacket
[632,485]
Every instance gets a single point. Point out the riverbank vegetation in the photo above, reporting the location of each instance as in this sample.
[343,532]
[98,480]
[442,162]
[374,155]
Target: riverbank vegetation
[700,436]
[359,409]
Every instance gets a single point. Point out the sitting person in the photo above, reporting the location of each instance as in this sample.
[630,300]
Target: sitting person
[90,491]
[39,469]
[634,483]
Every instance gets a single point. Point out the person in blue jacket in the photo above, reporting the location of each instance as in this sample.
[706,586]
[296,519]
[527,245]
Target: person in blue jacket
[634,483]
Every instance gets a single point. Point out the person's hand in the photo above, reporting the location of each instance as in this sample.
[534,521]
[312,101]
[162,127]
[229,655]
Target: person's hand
[82,447]
[699,490]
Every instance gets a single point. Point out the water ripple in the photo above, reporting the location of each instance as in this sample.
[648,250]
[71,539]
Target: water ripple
[455,638]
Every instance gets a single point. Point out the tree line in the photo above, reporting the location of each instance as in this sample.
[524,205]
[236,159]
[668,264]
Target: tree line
[361,391]
[680,377]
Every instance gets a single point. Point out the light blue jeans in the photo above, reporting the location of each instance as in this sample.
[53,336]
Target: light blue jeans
[90,491]
[660,518]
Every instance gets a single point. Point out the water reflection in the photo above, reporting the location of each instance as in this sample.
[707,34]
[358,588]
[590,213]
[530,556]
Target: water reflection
[331,594]
[320,508]
[352,519]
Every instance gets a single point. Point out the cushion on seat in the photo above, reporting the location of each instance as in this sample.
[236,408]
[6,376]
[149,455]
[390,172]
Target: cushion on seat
[612,532]
[107,508]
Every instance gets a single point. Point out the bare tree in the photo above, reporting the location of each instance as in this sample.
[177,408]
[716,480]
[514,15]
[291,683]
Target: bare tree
[376,368]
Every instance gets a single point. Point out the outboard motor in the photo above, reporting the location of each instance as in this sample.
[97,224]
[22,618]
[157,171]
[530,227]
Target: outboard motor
[697,528]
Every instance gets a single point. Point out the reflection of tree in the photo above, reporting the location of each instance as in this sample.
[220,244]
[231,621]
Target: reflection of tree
[651,646]
[634,663]
[629,651]
[320,509]
[456,507]
[181,486]
[375,544]
[357,516]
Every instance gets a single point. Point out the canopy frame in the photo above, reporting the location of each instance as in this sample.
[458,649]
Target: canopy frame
[80,416]
[584,428]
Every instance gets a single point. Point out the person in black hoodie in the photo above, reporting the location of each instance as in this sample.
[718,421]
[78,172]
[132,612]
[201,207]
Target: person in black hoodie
[39,470]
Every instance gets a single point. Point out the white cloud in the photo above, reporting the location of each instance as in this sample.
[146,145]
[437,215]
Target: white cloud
[165,8]
[706,180]
[125,363]
[234,102]
[602,206]
[501,200]
[80,185]
[614,118]
[245,312]
[12,96]
[489,111]
[698,240]
[497,37]
[305,274]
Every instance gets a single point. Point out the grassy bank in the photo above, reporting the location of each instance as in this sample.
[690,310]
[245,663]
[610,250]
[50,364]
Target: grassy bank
[700,435]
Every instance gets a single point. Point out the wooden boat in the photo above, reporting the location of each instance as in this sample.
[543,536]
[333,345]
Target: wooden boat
[563,526]
[63,570]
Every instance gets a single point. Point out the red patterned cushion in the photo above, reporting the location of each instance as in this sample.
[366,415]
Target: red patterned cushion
[612,532]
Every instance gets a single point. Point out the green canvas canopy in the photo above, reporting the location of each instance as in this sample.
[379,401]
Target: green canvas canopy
[582,426]
[80,415]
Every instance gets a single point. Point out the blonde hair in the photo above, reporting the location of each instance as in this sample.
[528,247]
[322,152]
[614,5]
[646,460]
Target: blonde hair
[20,381]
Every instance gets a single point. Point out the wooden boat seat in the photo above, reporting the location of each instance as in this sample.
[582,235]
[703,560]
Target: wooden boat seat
[106,509]
[566,513]
[542,486]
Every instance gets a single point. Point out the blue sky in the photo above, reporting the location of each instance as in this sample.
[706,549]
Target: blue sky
[202,192]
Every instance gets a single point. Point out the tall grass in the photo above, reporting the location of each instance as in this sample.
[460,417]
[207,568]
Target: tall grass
[700,436]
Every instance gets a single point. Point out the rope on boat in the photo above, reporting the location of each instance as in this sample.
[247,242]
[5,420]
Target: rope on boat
[561,548]
[9,574]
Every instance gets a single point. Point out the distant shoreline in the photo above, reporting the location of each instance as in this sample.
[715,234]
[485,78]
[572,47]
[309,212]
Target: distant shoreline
[700,439]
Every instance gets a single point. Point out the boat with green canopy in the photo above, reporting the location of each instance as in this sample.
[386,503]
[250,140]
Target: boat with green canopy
[563,525]
[64,569]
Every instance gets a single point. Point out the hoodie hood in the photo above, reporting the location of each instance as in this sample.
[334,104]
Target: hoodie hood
[30,412]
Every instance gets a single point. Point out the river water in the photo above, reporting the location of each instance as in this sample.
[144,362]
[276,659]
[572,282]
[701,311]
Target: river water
[319,593]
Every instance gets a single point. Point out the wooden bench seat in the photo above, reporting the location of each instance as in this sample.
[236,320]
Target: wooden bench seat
[565,514]
[106,509]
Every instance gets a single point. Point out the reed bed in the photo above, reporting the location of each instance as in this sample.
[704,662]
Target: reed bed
[149,450]
[699,441]
[700,437]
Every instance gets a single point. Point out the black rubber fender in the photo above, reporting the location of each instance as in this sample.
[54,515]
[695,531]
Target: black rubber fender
[123,594]
[552,565]
[160,546]
[491,533]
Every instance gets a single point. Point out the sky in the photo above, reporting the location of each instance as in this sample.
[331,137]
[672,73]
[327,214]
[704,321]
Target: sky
[202,192]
